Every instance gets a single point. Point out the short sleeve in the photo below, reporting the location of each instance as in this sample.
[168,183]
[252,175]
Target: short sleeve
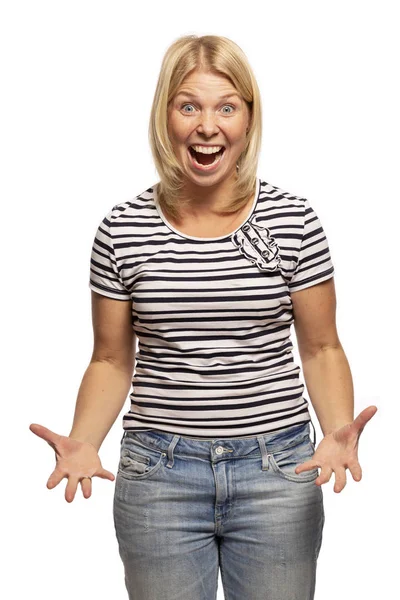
[105,277]
[315,263]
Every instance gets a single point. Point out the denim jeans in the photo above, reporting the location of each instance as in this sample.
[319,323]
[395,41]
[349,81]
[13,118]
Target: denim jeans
[186,507]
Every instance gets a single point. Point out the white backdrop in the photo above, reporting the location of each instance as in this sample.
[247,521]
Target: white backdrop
[78,80]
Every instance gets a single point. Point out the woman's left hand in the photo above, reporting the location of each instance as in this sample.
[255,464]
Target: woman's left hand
[338,451]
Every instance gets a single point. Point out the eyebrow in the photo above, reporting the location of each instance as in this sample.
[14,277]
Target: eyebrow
[189,95]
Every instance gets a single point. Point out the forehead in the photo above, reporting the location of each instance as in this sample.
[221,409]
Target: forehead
[214,95]
[188,93]
[203,85]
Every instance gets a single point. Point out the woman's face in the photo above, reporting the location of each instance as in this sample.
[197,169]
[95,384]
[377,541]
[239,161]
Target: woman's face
[208,111]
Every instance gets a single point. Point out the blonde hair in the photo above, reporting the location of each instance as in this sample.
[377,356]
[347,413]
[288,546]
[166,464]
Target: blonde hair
[219,55]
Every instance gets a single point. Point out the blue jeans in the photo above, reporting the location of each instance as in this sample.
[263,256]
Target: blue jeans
[185,507]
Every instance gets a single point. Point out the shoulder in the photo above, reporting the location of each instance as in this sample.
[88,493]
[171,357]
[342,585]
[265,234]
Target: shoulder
[280,196]
[122,211]
[281,205]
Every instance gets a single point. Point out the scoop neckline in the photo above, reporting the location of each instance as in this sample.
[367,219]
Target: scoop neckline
[206,239]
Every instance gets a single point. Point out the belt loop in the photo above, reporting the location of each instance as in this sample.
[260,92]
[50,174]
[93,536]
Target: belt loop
[315,434]
[264,453]
[170,451]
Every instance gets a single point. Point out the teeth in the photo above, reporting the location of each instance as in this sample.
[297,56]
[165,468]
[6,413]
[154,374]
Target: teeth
[207,150]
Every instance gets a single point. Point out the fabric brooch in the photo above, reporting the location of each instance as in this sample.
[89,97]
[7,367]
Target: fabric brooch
[257,245]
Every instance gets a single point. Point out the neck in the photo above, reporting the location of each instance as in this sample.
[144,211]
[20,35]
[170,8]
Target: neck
[206,200]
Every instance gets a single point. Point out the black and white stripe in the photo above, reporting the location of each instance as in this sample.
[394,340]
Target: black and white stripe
[214,352]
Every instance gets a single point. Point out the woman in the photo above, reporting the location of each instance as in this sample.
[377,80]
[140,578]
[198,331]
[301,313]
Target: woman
[209,268]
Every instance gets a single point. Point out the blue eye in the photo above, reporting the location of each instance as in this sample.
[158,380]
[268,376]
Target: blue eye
[183,105]
[225,105]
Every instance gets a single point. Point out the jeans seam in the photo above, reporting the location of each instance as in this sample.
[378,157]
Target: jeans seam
[226,596]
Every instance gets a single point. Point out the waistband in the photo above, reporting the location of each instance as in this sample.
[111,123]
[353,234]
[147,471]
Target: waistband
[218,449]
[245,437]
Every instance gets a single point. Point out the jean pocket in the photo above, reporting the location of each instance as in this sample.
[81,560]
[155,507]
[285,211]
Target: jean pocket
[138,461]
[285,461]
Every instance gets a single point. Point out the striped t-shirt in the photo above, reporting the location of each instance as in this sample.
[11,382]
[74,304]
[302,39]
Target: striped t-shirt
[212,315]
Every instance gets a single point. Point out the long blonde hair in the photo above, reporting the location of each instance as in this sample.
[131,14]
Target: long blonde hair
[221,56]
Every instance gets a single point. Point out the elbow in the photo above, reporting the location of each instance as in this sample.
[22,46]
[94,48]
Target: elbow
[316,350]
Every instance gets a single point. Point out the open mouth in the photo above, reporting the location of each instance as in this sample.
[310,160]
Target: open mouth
[206,160]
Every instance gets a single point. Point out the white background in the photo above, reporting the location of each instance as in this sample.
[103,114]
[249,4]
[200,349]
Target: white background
[78,80]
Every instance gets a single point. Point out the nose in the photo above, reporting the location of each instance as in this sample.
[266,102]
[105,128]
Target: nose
[207,125]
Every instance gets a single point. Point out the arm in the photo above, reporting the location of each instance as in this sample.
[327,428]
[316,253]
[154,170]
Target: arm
[106,382]
[326,369]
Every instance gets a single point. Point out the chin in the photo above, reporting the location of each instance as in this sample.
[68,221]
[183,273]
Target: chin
[202,181]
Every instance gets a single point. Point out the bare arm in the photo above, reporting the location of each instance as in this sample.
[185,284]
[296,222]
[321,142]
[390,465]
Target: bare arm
[106,382]
[326,369]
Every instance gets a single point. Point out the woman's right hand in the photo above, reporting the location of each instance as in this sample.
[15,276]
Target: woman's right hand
[75,460]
